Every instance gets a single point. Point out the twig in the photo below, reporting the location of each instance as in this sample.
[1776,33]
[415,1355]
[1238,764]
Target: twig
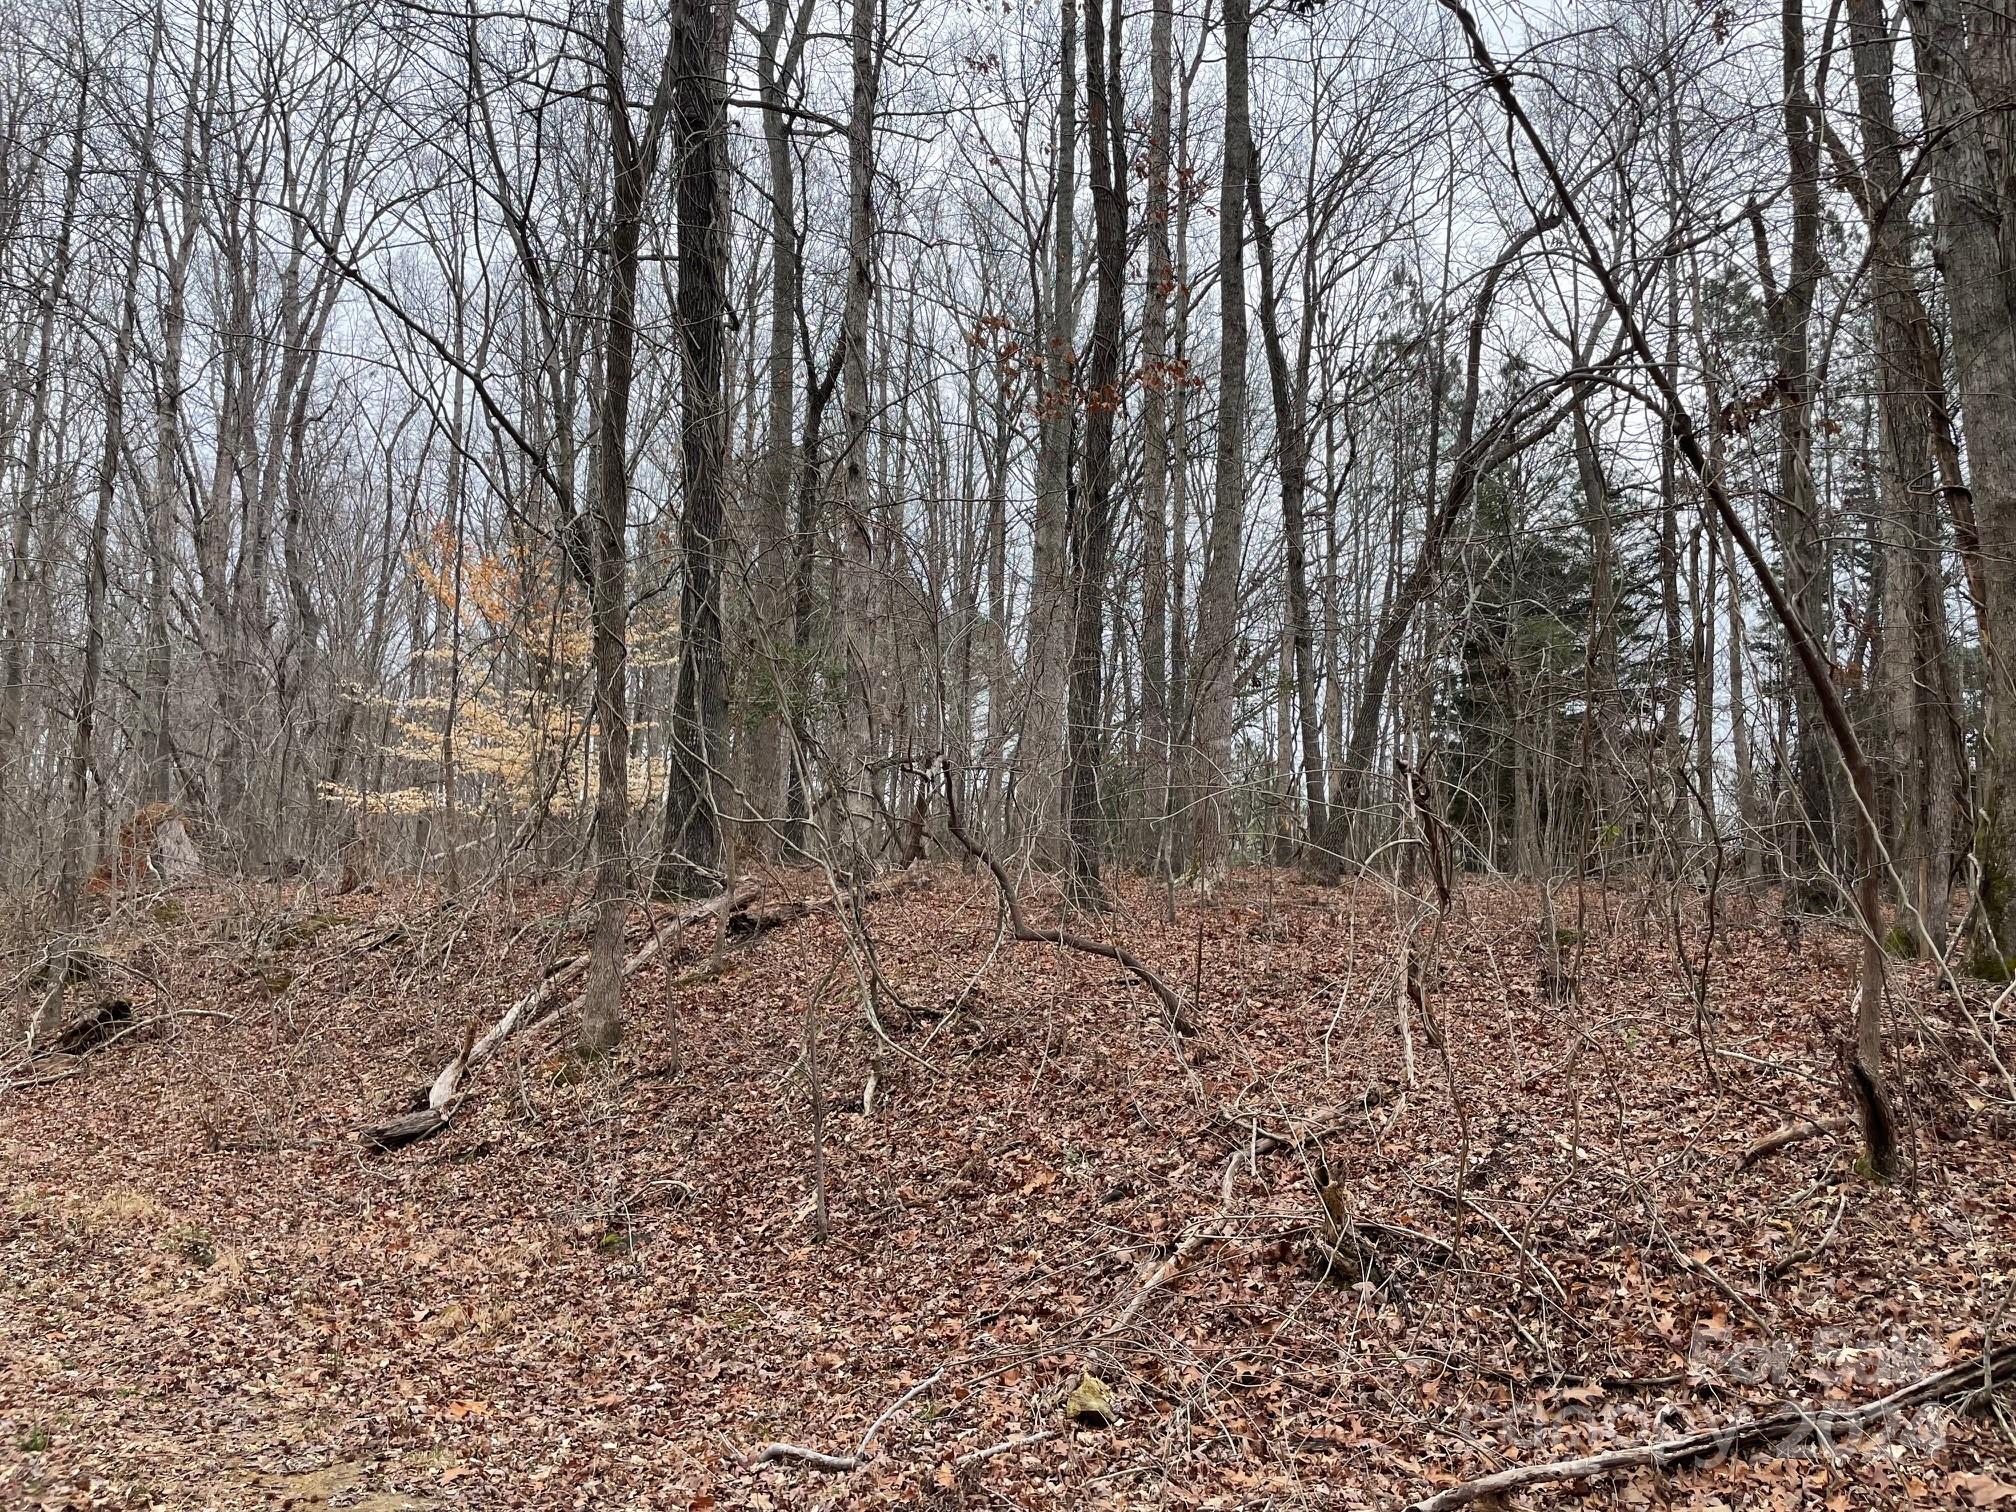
[1464,1203]
[1800,1257]
[1825,1425]
[1020,1441]
[1020,928]
[840,1464]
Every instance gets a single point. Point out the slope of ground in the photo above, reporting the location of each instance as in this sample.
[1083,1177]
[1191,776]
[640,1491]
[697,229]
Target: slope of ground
[602,1287]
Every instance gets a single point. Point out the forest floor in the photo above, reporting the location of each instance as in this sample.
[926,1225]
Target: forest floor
[601,1287]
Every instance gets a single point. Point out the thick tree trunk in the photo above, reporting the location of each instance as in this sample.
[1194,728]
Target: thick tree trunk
[854,832]
[1802,540]
[1092,520]
[690,864]
[1914,663]
[1049,623]
[772,570]
[1157,378]
[633,164]
[1966,61]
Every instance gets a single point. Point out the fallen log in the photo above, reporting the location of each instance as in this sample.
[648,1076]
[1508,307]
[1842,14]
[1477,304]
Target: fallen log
[1786,1429]
[760,921]
[533,1009]
[408,1128]
[110,1020]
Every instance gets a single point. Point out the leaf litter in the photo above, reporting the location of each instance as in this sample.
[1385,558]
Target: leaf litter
[1073,1261]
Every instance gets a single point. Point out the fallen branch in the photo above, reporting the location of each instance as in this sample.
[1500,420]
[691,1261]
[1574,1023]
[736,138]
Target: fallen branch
[1786,1429]
[1324,1124]
[762,921]
[1791,1134]
[1169,1269]
[527,1012]
[1813,1252]
[840,1464]
[1021,929]
[1020,1441]
[811,1459]
[445,1095]
[409,1128]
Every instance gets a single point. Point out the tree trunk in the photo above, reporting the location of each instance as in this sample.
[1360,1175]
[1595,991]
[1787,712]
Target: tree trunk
[1092,520]
[690,864]
[21,565]
[772,570]
[1966,62]
[1050,620]
[854,831]
[1914,665]
[1790,312]
[1215,656]
[1157,378]
[1291,441]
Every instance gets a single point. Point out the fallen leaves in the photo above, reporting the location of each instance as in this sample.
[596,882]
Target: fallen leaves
[1970,1490]
[448,1321]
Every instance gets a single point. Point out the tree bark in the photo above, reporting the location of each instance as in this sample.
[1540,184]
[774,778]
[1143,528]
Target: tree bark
[690,864]
[1158,377]
[1914,665]
[1966,62]
[1049,625]
[1290,387]
[1215,656]
[1092,520]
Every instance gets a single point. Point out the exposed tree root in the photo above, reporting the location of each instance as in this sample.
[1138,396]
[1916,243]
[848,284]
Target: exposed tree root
[840,1464]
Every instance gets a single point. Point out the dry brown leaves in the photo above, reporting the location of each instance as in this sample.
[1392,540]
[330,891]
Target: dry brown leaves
[601,1289]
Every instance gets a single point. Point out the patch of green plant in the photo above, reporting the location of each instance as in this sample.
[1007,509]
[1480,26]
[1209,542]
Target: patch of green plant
[34,1441]
[1901,943]
[1987,963]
